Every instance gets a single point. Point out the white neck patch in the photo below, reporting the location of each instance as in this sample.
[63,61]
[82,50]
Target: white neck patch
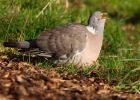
[91,29]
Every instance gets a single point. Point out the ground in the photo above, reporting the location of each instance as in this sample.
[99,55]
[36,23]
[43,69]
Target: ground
[114,76]
[20,80]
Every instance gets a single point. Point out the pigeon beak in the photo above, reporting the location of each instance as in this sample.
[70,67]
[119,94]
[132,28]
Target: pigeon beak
[104,16]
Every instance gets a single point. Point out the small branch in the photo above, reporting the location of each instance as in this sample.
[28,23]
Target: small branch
[41,12]
[130,60]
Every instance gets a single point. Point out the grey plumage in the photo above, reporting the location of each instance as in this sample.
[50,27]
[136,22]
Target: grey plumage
[64,40]
[63,43]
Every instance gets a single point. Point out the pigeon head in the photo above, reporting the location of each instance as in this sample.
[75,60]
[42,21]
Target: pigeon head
[97,21]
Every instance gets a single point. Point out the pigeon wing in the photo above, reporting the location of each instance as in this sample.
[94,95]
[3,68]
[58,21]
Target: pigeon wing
[63,41]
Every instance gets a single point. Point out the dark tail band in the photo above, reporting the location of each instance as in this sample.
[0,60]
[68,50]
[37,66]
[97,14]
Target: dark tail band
[21,44]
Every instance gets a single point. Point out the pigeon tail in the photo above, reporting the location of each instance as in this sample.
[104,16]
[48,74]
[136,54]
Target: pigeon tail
[21,44]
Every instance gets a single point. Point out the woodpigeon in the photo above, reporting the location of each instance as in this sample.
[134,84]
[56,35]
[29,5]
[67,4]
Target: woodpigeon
[68,44]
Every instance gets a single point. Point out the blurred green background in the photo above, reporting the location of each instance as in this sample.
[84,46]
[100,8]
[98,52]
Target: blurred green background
[120,55]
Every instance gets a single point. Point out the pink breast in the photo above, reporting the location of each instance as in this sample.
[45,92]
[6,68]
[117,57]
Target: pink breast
[92,50]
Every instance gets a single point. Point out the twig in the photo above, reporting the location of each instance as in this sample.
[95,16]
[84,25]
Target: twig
[130,60]
[41,12]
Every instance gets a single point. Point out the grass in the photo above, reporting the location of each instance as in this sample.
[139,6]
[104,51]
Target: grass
[120,56]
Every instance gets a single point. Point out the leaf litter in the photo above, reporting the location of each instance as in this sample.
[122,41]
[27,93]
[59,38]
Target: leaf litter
[23,81]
